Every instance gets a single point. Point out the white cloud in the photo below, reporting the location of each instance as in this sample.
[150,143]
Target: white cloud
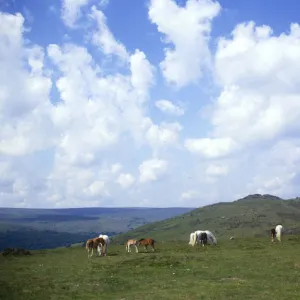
[211,148]
[104,3]
[79,120]
[125,180]
[97,188]
[115,168]
[168,107]
[71,11]
[216,170]
[188,29]
[191,194]
[142,71]
[152,169]
[263,72]
[25,110]
[163,135]
[105,39]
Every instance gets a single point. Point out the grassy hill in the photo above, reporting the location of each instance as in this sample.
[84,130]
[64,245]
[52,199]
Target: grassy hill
[47,228]
[250,216]
[240,269]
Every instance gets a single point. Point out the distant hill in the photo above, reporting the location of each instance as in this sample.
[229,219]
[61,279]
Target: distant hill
[48,228]
[253,215]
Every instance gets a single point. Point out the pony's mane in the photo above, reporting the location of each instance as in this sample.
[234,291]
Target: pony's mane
[141,239]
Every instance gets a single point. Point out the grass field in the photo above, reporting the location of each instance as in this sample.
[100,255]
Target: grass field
[238,269]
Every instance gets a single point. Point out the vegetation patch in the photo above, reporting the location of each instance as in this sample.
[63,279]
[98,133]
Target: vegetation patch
[246,268]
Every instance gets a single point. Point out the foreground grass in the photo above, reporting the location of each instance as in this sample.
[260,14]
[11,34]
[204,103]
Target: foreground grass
[239,269]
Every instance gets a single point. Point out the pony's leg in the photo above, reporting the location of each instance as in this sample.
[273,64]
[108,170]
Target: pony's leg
[136,249]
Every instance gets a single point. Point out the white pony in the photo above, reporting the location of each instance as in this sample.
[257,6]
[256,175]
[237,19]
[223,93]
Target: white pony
[278,230]
[194,237]
[107,241]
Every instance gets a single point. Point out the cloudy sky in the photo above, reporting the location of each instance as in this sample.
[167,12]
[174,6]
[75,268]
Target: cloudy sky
[148,103]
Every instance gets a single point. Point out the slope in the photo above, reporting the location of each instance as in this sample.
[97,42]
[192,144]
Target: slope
[250,216]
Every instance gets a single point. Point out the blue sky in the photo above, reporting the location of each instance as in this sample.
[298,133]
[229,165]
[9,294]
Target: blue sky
[147,103]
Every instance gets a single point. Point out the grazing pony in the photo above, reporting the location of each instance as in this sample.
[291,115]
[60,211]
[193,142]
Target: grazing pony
[107,241]
[194,237]
[203,238]
[130,243]
[278,230]
[94,243]
[272,234]
[146,243]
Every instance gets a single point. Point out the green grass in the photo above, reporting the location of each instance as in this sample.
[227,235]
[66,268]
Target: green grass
[239,269]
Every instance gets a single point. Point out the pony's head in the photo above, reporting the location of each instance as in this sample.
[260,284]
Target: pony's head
[139,241]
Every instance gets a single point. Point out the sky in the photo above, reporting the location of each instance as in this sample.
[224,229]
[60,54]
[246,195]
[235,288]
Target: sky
[153,103]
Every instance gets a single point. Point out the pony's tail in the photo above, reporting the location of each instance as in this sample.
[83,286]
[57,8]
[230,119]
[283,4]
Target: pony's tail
[87,245]
[194,239]
[279,235]
[191,238]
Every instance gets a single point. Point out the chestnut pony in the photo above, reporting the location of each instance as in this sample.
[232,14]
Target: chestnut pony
[272,234]
[93,244]
[130,243]
[146,243]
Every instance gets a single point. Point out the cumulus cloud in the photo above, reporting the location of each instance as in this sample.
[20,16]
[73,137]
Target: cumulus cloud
[262,73]
[168,107]
[25,112]
[115,168]
[211,147]
[125,180]
[258,109]
[188,30]
[163,135]
[152,169]
[71,11]
[80,123]
[189,195]
[103,37]
[216,170]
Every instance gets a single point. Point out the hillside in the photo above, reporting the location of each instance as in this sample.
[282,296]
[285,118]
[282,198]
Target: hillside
[48,228]
[250,216]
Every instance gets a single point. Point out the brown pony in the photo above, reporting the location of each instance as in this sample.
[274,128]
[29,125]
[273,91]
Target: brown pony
[92,244]
[272,234]
[146,243]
